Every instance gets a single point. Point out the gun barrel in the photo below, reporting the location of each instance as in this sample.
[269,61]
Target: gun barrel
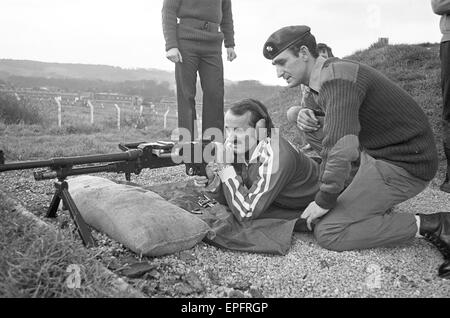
[48,175]
[131,154]
[25,165]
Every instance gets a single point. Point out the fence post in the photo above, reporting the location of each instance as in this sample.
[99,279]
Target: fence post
[92,111]
[58,102]
[165,117]
[140,118]
[383,41]
[118,116]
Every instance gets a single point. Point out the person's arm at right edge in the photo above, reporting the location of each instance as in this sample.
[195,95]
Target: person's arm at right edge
[441,7]
[169,22]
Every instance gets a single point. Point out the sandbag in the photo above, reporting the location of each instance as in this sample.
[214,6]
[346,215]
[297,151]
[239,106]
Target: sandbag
[138,218]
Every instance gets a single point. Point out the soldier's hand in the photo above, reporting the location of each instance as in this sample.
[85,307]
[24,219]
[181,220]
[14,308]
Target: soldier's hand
[231,54]
[312,213]
[174,55]
[307,121]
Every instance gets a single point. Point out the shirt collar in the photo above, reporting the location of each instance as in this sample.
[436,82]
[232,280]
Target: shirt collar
[314,80]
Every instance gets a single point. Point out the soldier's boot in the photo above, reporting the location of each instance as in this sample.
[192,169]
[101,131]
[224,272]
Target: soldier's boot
[436,229]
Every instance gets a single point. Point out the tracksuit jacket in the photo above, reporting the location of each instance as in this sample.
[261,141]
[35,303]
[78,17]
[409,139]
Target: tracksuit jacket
[263,199]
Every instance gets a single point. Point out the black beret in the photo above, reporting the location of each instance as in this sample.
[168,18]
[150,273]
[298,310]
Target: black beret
[284,38]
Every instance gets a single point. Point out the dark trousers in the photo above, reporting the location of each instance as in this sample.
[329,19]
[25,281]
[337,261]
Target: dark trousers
[210,68]
[361,217]
[445,82]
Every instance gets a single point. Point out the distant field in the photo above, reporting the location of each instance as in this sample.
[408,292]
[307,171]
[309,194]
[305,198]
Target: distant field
[76,136]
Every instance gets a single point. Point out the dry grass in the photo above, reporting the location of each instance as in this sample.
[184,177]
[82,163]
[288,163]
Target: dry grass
[14,112]
[34,262]
[27,142]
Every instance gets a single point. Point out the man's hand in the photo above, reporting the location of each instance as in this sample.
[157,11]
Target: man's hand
[231,55]
[312,212]
[174,55]
[307,121]
[202,181]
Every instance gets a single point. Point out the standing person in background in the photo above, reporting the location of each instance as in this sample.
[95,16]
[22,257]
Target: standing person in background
[307,100]
[194,31]
[324,50]
[442,7]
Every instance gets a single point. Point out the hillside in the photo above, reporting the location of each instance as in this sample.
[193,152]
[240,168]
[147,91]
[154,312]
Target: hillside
[416,68]
[152,84]
[27,68]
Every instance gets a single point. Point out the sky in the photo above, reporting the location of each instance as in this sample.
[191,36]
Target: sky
[128,33]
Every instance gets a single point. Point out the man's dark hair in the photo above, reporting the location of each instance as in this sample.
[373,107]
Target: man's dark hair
[324,47]
[257,110]
[310,42]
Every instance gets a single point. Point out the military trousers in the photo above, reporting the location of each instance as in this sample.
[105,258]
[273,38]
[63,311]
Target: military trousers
[445,84]
[209,66]
[362,217]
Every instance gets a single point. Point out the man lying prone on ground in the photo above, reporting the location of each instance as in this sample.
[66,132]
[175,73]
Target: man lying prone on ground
[266,184]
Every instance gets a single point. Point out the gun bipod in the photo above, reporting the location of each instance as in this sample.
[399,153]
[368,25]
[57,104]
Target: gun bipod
[62,193]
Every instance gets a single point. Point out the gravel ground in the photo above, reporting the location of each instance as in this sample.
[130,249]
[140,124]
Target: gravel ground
[307,270]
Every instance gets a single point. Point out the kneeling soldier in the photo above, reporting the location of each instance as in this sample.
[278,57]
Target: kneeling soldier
[367,117]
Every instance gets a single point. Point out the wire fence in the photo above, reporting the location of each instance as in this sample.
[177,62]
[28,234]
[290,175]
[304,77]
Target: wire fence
[109,115]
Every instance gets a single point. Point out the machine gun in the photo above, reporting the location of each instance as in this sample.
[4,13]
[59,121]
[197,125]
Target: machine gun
[134,158]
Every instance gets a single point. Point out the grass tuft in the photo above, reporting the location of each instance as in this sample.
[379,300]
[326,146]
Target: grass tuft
[13,111]
[34,262]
